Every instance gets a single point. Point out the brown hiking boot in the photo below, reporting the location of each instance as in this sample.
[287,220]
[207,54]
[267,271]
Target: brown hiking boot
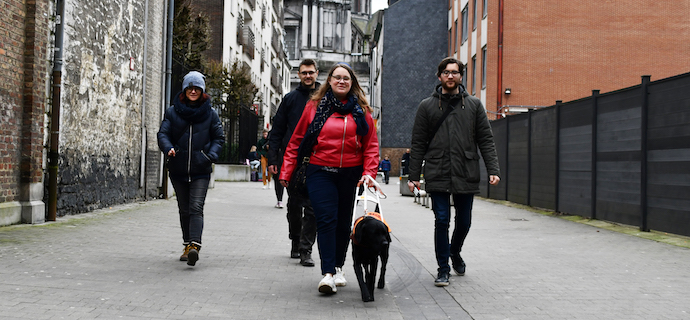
[193,253]
[185,253]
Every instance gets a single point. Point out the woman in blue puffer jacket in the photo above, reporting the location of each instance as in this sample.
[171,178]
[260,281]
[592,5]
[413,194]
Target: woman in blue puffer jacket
[192,137]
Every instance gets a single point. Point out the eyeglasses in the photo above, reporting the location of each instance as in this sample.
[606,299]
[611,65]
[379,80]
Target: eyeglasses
[307,73]
[339,78]
[190,89]
[448,72]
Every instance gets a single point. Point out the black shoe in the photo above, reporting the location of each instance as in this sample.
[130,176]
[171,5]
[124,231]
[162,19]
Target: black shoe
[458,264]
[306,260]
[442,279]
[294,252]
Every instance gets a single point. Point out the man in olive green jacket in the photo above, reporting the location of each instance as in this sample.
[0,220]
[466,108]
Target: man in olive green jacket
[449,149]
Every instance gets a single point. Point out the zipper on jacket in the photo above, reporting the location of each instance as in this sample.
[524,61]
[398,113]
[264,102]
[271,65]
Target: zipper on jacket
[342,147]
[189,160]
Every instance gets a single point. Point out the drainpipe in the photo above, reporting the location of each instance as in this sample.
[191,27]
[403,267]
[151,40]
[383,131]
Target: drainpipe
[168,86]
[142,178]
[55,111]
[499,85]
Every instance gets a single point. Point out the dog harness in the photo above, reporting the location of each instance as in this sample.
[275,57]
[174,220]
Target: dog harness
[374,215]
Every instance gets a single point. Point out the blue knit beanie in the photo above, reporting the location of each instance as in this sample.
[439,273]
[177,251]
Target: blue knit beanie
[194,79]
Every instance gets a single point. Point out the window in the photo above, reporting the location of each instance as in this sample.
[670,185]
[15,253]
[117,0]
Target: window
[486,8]
[464,79]
[450,42]
[455,40]
[484,67]
[465,24]
[291,43]
[329,29]
[474,69]
[474,15]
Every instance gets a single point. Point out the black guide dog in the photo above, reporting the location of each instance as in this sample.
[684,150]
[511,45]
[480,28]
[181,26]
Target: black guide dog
[370,240]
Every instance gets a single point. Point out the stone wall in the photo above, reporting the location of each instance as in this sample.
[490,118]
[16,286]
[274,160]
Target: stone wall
[109,106]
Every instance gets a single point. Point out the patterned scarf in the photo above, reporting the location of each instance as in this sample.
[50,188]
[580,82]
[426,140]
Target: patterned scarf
[327,106]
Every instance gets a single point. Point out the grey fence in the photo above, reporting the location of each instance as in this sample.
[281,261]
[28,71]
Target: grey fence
[622,156]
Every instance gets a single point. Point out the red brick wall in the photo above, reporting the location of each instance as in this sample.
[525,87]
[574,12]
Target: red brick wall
[562,50]
[34,85]
[23,62]
[11,64]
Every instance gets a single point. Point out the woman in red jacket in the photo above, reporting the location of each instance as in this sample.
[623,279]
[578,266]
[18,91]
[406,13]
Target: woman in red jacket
[338,118]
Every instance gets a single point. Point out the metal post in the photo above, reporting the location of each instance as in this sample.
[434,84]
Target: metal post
[644,114]
[593,203]
[558,155]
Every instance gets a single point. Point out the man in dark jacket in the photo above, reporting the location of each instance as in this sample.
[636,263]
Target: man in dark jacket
[300,215]
[451,168]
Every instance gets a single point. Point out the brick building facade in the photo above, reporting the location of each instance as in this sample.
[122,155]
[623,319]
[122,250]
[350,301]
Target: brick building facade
[24,38]
[562,50]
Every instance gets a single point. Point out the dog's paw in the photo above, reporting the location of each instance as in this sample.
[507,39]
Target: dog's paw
[367,299]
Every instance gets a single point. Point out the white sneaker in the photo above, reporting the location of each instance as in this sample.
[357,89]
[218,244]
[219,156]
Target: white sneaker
[327,285]
[339,278]
[279,204]
[265,187]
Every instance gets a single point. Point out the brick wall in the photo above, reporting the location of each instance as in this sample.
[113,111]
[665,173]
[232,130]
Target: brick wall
[23,72]
[11,83]
[564,49]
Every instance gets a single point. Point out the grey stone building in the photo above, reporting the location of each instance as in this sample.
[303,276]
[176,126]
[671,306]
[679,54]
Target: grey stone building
[327,31]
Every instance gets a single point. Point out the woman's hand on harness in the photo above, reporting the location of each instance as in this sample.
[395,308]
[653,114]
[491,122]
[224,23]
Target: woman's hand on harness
[368,182]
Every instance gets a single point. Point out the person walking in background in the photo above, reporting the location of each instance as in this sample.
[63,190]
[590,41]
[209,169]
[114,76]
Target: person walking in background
[448,129]
[300,215]
[262,150]
[385,167]
[338,127]
[405,162]
[192,137]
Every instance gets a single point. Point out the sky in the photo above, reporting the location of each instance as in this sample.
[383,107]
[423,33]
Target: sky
[377,5]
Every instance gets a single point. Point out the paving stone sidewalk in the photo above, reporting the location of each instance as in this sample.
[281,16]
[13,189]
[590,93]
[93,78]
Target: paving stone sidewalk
[121,263]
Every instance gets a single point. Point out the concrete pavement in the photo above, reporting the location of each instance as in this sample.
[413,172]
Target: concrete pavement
[121,263]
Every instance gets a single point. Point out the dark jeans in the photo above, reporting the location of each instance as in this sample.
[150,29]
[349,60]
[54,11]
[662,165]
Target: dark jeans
[385,176]
[332,195]
[190,201]
[440,203]
[279,187]
[301,222]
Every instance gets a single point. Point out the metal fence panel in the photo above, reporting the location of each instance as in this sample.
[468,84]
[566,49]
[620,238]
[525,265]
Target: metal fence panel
[668,171]
[518,154]
[543,159]
[500,129]
[575,156]
[618,156]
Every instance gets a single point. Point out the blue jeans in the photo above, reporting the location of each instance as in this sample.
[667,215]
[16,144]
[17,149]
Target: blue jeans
[332,196]
[190,201]
[440,203]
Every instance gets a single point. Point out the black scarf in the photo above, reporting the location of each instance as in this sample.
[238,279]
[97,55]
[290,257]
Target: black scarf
[328,105]
[193,112]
